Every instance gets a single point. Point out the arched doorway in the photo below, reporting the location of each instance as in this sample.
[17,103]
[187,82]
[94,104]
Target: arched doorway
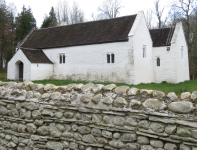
[20,71]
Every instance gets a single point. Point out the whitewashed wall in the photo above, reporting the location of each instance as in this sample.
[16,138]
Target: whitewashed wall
[89,62]
[172,68]
[143,66]
[182,64]
[41,71]
[12,72]
[167,69]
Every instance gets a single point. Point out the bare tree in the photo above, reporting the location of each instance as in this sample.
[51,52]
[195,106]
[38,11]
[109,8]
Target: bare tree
[76,14]
[110,8]
[149,18]
[158,12]
[100,16]
[188,9]
[62,12]
[67,14]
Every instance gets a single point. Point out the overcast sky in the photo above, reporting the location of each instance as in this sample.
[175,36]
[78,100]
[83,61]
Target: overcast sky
[42,7]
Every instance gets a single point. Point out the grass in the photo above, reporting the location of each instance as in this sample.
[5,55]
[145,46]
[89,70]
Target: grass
[187,86]
[3,77]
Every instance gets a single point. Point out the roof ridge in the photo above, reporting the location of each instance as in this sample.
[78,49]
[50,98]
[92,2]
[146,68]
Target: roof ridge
[86,22]
[26,38]
[94,32]
[169,36]
[29,48]
[162,28]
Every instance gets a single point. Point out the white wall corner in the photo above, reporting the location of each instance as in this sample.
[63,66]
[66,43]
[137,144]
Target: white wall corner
[176,31]
[136,22]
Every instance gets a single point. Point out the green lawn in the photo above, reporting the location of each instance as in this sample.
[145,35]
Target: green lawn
[3,77]
[187,86]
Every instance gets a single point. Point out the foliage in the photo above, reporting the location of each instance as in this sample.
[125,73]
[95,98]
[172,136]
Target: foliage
[50,21]
[25,22]
[180,10]
[7,34]
[187,10]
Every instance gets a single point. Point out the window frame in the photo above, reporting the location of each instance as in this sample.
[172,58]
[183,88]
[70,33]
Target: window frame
[62,58]
[110,58]
[182,48]
[144,51]
[158,62]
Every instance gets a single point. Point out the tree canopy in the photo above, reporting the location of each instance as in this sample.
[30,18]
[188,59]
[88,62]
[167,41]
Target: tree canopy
[25,21]
[50,21]
[7,35]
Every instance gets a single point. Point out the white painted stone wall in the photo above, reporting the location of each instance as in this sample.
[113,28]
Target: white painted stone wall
[89,62]
[13,70]
[182,64]
[172,68]
[143,66]
[41,71]
[167,69]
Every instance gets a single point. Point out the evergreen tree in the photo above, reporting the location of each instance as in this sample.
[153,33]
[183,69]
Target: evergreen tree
[7,35]
[25,22]
[50,21]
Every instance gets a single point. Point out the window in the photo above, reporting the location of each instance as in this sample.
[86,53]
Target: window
[144,51]
[158,61]
[181,52]
[62,58]
[110,58]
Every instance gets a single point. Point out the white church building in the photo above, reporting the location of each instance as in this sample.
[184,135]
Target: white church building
[118,50]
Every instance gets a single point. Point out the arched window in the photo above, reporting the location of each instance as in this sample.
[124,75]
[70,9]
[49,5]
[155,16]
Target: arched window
[112,58]
[63,59]
[144,51]
[108,58]
[158,61]
[181,52]
[60,59]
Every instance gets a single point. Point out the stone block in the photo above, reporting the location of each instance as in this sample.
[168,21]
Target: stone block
[155,104]
[106,134]
[157,127]
[181,131]
[119,121]
[143,140]
[120,102]
[170,146]
[122,89]
[126,137]
[156,143]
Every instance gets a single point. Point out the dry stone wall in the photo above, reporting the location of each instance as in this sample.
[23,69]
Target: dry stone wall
[95,117]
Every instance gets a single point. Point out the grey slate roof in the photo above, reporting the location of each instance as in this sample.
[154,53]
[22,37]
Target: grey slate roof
[36,56]
[162,36]
[95,32]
